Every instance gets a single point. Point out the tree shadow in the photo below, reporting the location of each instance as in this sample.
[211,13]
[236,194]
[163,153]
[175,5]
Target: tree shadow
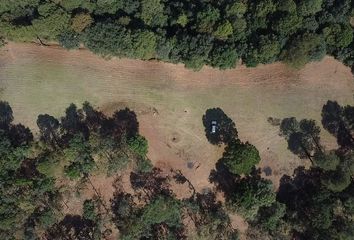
[337,120]
[225,127]
[124,123]
[223,178]
[296,191]
[150,184]
[267,171]
[72,227]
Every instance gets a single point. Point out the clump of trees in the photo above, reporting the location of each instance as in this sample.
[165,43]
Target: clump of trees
[81,143]
[314,203]
[215,33]
[318,199]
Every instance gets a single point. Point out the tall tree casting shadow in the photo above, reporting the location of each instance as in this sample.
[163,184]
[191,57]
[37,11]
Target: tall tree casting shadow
[225,127]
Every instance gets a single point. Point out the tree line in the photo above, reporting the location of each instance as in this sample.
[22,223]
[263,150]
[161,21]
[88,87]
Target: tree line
[196,33]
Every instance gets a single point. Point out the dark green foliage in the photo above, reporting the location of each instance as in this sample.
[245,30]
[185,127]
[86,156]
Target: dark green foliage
[303,49]
[211,219]
[6,116]
[223,56]
[69,40]
[326,161]
[143,165]
[79,155]
[338,36]
[303,137]
[89,211]
[152,13]
[138,145]
[249,194]
[319,200]
[31,169]
[338,120]
[192,32]
[108,39]
[337,180]
[47,218]
[49,129]
[193,50]
[240,158]
[269,218]
[265,50]
[161,211]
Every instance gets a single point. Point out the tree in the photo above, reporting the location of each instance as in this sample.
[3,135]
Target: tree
[163,212]
[286,6]
[263,8]
[240,158]
[72,5]
[303,137]
[266,50]
[6,116]
[72,123]
[110,7]
[49,27]
[303,49]
[192,50]
[210,218]
[337,180]
[337,123]
[144,45]
[138,145]
[126,124]
[81,162]
[289,126]
[338,36]
[309,7]
[182,20]
[223,56]
[20,135]
[269,218]
[69,40]
[225,128]
[237,8]
[223,31]
[49,129]
[250,194]
[207,18]
[108,39]
[287,24]
[327,161]
[89,211]
[152,13]
[81,21]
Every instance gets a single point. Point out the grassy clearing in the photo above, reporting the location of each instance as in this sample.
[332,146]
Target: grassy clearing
[43,80]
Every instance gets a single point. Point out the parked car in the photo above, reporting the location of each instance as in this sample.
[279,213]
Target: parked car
[213,127]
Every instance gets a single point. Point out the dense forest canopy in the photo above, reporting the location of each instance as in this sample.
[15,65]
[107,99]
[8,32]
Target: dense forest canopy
[194,32]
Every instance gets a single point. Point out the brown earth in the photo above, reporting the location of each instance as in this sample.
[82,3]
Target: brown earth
[171,100]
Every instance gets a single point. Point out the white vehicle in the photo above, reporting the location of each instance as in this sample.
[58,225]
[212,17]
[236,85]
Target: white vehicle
[213,127]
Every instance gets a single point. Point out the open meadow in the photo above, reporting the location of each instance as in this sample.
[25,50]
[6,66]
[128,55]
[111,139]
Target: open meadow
[171,100]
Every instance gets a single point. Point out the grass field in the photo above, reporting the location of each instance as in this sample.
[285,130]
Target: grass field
[170,100]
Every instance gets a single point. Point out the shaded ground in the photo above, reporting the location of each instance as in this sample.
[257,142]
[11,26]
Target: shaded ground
[171,100]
